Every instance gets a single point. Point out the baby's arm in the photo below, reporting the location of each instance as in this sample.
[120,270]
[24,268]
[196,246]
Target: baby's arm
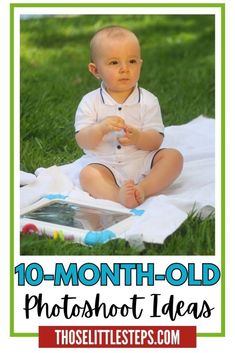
[148,140]
[90,136]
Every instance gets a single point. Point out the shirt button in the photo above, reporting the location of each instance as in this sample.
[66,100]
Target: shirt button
[119,108]
[119,147]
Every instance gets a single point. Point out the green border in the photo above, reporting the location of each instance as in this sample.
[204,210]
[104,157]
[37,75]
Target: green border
[210,5]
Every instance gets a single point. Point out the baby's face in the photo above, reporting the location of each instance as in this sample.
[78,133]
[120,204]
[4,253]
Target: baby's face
[118,64]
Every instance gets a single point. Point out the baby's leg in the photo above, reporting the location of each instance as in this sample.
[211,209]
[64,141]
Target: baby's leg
[167,165]
[100,183]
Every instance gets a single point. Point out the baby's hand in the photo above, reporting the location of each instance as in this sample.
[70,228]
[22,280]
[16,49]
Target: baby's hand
[112,123]
[131,136]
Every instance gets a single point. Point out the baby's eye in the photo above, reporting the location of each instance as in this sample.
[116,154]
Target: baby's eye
[113,62]
[132,61]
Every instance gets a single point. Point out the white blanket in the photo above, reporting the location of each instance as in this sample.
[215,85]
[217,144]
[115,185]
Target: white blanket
[192,191]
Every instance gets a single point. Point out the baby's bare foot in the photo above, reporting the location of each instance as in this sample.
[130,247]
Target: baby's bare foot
[139,194]
[127,194]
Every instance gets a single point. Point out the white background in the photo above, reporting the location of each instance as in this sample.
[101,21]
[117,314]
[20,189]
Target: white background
[8,344]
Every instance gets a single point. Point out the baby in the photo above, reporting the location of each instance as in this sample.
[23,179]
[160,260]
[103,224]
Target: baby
[119,126]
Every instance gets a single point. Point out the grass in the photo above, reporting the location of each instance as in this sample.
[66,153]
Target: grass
[178,53]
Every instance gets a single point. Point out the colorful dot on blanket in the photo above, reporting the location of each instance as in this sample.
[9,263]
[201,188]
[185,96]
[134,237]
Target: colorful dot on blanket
[55,197]
[29,228]
[137,212]
[93,238]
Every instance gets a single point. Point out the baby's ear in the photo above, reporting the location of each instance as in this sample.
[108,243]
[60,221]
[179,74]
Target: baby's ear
[93,70]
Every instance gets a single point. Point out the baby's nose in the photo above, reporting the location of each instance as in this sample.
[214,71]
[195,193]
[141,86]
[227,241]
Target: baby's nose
[124,66]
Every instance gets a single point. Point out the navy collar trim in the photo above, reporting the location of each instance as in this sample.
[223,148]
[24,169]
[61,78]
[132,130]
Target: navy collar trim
[102,96]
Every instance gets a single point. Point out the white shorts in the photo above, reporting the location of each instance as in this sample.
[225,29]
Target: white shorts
[136,169]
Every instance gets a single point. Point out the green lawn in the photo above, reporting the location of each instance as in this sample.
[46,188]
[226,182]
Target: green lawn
[178,53]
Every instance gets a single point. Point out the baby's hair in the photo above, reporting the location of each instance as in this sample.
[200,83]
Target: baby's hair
[111,32]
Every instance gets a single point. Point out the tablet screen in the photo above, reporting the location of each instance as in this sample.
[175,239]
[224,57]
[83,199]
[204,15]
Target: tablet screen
[76,216]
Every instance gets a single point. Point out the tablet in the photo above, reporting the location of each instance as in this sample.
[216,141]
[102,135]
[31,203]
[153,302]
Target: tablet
[80,222]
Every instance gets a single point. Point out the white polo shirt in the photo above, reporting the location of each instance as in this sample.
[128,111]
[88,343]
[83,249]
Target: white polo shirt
[140,110]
